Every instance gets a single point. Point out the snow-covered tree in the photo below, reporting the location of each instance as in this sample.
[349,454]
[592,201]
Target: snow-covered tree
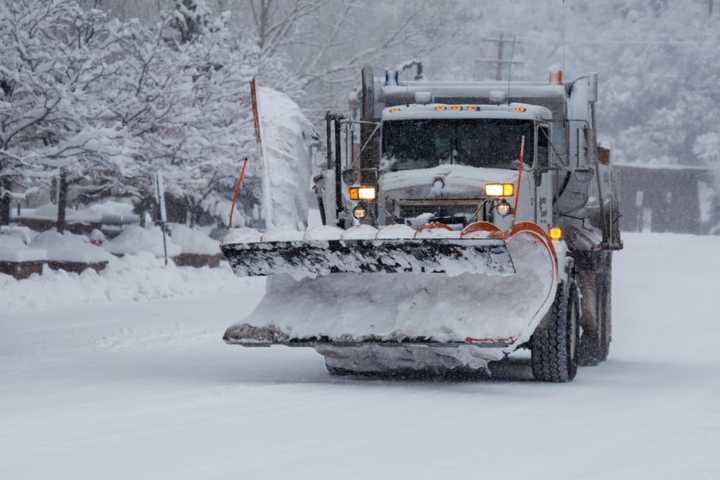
[112,103]
[186,100]
[325,43]
[58,60]
[191,19]
[174,77]
[201,146]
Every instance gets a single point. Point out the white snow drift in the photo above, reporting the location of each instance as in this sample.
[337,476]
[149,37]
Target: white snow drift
[136,239]
[68,247]
[133,278]
[13,249]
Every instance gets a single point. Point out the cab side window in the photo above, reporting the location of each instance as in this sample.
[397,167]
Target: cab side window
[543,147]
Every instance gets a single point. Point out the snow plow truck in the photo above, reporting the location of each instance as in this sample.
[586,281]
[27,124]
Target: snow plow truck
[462,221]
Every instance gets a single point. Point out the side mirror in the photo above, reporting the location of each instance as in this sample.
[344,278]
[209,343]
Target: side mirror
[604,155]
[576,193]
[350,176]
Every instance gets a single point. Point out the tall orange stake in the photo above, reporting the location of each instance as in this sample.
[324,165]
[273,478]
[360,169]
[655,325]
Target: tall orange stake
[236,191]
[519,181]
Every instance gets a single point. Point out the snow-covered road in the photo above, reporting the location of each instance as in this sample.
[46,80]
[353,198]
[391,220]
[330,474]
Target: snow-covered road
[148,390]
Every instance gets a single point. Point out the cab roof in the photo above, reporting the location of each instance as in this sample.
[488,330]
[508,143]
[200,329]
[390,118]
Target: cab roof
[438,111]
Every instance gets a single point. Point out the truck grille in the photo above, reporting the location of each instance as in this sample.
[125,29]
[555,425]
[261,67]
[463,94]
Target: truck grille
[441,208]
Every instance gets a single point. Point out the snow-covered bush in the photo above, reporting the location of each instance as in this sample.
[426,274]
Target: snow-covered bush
[193,241]
[68,248]
[134,240]
[13,249]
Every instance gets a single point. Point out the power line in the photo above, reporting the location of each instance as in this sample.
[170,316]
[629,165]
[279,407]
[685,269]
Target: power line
[500,63]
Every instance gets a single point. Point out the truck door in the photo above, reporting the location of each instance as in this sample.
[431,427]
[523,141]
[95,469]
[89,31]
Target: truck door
[543,177]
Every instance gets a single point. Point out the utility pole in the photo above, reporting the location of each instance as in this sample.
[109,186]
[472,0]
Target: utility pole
[505,47]
[4,201]
[62,201]
[711,7]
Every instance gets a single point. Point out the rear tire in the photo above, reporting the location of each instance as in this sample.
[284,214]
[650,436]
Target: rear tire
[595,347]
[554,343]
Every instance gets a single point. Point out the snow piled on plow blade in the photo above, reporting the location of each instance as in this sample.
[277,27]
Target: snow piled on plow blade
[302,259]
[352,308]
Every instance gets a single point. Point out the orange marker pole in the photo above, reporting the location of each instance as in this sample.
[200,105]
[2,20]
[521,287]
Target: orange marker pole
[236,191]
[519,181]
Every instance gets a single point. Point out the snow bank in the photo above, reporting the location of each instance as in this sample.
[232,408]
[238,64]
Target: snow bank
[286,136]
[69,248]
[133,278]
[136,239]
[19,231]
[12,249]
[110,211]
[193,241]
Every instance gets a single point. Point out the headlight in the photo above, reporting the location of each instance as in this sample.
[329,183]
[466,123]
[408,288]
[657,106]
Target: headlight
[499,189]
[362,193]
[367,193]
[360,212]
[503,208]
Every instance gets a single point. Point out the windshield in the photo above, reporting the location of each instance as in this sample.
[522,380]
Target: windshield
[488,143]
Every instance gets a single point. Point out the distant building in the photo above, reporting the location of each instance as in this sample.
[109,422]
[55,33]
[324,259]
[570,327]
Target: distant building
[663,198]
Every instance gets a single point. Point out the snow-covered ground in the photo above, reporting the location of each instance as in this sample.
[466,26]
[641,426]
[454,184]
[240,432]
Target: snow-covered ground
[125,389]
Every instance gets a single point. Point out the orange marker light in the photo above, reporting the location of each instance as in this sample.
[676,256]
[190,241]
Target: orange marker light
[362,193]
[556,233]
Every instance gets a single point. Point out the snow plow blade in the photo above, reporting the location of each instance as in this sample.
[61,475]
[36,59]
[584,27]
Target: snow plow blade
[250,336]
[376,304]
[315,258]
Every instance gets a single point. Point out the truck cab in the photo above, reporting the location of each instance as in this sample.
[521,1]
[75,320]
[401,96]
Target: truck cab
[425,151]
[459,164]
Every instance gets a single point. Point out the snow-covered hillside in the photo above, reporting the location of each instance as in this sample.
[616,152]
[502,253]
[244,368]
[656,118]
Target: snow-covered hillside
[129,389]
